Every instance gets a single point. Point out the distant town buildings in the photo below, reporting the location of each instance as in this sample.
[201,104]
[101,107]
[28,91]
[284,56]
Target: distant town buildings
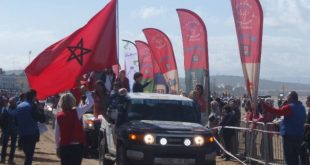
[13,83]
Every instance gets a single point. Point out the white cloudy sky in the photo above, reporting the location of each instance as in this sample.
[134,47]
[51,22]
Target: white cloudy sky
[35,24]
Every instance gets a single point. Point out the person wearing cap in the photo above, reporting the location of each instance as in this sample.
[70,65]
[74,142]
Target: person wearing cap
[69,134]
[291,127]
[123,80]
[9,130]
[137,86]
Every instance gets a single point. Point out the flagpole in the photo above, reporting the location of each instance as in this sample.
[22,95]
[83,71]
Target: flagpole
[117,30]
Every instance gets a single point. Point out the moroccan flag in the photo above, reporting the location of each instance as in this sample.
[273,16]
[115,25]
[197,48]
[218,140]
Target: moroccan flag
[163,54]
[131,61]
[195,46]
[248,15]
[146,64]
[91,48]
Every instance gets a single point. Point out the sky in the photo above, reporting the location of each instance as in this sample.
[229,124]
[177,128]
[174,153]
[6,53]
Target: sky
[33,25]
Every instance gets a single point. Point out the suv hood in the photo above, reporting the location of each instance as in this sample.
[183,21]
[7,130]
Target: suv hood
[167,126]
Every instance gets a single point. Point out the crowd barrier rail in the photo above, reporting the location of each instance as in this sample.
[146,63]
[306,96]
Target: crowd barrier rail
[257,143]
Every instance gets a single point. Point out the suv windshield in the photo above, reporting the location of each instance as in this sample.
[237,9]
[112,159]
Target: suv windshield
[163,110]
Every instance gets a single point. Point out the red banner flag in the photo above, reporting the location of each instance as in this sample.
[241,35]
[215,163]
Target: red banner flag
[248,15]
[92,47]
[163,54]
[150,69]
[195,46]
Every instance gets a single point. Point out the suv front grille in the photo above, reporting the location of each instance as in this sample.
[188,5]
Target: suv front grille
[173,140]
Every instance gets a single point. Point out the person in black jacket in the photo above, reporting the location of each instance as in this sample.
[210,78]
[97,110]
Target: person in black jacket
[9,130]
[228,120]
[137,86]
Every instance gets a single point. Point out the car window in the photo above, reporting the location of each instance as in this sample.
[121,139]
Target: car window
[162,110]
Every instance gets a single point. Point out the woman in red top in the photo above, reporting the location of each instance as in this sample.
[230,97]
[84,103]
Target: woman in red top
[69,134]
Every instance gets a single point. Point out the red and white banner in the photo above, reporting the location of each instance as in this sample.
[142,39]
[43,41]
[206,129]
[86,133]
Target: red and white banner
[195,46]
[131,61]
[163,54]
[248,15]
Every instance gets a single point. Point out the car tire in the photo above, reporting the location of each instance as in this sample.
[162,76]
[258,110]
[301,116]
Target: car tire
[121,158]
[103,150]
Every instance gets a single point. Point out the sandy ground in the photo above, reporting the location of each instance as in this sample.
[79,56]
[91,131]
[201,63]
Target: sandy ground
[45,153]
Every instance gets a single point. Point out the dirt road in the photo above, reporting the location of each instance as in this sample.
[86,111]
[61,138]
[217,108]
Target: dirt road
[45,153]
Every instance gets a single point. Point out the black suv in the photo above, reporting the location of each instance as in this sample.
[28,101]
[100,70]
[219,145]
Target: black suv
[155,129]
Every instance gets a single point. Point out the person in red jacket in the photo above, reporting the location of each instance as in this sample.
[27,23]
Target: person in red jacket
[123,80]
[69,134]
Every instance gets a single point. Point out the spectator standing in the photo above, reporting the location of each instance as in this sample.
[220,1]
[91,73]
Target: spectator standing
[123,80]
[137,86]
[214,121]
[228,120]
[202,104]
[215,116]
[27,117]
[9,130]
[267,139]
[69,134]
[305,147]
[291,127]
[108,78]
[100,99]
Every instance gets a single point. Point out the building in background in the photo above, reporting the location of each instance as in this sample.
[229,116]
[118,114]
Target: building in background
[13,83]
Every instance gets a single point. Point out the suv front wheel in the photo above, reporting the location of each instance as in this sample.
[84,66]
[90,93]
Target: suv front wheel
[103,150]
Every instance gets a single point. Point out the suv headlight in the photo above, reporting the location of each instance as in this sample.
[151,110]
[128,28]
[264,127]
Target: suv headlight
[199,140]
[149,139]
[90,124]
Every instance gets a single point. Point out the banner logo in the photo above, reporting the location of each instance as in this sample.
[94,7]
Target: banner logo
[244,14]
[193,30]
[145,52]
[159,42]
[195,58]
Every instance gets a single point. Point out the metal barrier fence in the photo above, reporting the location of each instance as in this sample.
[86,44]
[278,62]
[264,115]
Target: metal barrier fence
[260,143]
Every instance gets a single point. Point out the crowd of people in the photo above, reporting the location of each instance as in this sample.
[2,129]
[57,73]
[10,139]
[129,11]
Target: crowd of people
[20,115]
[293,126]
[97,91]
[19,122]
